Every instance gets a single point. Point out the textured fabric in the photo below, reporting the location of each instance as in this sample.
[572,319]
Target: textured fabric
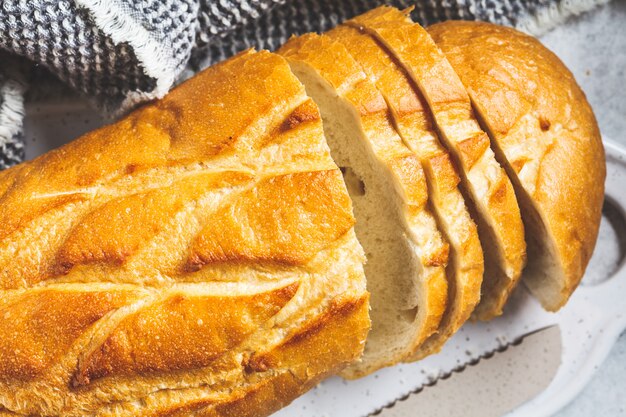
[122,52]
[301,16]
[12,88]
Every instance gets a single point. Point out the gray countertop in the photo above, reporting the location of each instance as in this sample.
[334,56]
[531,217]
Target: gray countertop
[593,46]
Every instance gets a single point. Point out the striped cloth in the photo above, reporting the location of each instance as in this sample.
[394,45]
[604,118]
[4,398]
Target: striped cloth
[123,52]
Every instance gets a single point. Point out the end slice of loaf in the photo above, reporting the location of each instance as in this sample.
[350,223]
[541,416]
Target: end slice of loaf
[546,136]
[406,253]
[486,184]
[414,125]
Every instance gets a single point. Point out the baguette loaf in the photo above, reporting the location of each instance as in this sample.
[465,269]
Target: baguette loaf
[547,138]
[196,257]
[406,253]
[486,185]
[200,256]
[414,125]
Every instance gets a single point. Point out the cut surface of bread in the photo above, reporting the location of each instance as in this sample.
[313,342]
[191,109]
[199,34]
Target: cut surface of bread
[197,256]
[406,253]
[486,184]
[413,124]
[546,136]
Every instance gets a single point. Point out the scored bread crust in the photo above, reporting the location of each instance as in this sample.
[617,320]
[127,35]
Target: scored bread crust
[335,334]
[413,124]
[546,135]
[484,181]
[200,249]
[331,335]
[330,64]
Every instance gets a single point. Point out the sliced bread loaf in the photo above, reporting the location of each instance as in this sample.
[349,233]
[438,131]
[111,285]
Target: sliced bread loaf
[414,125]
[406,253]
[486,184]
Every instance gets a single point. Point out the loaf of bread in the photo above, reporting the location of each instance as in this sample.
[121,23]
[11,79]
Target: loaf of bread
[208,254]
[196,257]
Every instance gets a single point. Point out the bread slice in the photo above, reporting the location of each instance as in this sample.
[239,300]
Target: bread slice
[486,184]
[545,135]
[406,253]
[196,257]
[414,125]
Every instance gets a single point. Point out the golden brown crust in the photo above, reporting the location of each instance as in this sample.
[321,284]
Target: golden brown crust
[39,326]
[293,216]
[119,228]
[484,181]
[157,148]
[181,332]
[545,131]
[132,288]
[269,397]
[343,318]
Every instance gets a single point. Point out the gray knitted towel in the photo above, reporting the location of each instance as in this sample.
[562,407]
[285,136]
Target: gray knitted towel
[123,52]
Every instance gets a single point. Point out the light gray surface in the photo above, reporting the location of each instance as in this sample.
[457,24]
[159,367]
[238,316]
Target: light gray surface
[593,46]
